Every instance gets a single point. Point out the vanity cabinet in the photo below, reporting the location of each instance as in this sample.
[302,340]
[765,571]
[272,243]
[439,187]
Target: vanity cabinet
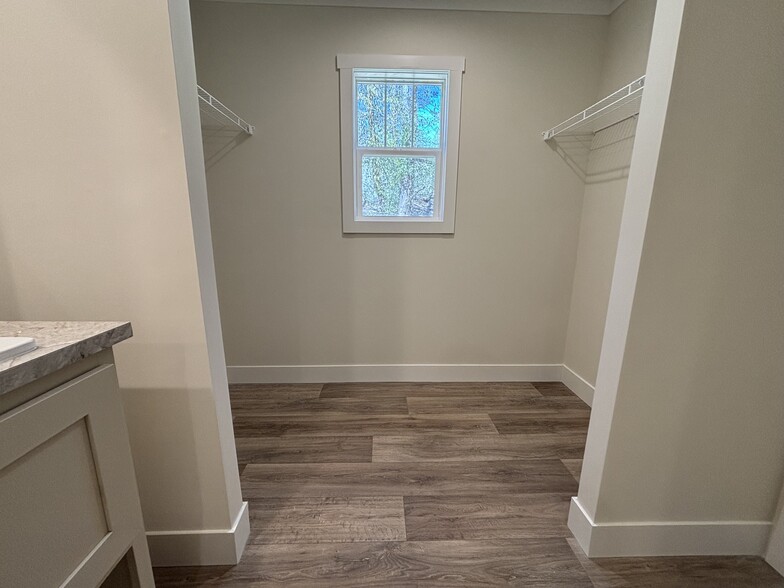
[69,505]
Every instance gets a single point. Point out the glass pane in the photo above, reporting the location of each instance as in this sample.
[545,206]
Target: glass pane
[370,115]
[398,186]
[427,116]
[400,98]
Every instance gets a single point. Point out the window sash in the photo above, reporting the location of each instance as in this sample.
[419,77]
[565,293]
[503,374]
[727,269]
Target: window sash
[393,80]
[438,188]
[413,77]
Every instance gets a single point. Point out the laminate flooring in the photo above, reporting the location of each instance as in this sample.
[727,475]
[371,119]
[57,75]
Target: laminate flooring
[415,484]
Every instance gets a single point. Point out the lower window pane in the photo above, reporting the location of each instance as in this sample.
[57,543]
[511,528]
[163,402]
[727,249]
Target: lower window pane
[398,185]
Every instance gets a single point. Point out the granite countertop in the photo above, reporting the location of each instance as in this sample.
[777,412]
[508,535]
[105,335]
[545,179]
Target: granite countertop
[60,343]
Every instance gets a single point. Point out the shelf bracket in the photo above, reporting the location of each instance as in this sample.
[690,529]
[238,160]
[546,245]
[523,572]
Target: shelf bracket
[211,105]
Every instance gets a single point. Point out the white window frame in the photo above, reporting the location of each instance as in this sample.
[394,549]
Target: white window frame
[443,220]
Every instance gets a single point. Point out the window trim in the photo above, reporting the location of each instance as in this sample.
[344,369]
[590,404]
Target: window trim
[346,65]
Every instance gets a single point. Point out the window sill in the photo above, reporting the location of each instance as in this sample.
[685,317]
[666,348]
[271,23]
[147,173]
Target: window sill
[394,227]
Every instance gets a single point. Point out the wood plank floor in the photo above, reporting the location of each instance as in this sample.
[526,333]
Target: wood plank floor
[458,484]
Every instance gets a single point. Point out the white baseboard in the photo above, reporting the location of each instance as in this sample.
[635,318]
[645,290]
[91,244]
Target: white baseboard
[319,374]
[577,384]
[201,547]
[666,538]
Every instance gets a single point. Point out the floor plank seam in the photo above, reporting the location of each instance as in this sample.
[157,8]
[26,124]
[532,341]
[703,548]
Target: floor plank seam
[410,484]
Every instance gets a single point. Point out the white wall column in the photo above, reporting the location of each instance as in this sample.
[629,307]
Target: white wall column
[102,218]
[685,451]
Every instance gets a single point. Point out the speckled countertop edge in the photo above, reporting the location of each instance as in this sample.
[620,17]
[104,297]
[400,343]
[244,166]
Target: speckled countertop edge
[60,343]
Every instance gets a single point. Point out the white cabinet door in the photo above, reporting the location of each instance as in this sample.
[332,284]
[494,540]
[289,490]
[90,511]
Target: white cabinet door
[69,505]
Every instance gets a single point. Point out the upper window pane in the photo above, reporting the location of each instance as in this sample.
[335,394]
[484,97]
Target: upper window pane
[370,115]
[396,113]
[427,116]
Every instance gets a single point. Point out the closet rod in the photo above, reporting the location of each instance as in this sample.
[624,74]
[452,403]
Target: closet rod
[212,105]
[618,106]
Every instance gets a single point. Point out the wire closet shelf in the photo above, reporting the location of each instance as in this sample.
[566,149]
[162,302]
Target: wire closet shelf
[616,107]
[215,108]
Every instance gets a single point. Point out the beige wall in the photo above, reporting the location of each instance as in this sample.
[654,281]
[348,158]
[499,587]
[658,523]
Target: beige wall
[605,192]
[293,289]
[696,430]
[95,224]
[627,52]
[628,39]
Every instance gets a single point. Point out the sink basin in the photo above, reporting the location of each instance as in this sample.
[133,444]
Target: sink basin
[13,346]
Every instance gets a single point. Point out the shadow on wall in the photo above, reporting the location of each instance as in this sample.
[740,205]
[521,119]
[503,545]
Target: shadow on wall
[600,157]
[180,488]
[218,139]
[9,305]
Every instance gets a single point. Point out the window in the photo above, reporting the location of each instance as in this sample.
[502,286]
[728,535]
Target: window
[400,119]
